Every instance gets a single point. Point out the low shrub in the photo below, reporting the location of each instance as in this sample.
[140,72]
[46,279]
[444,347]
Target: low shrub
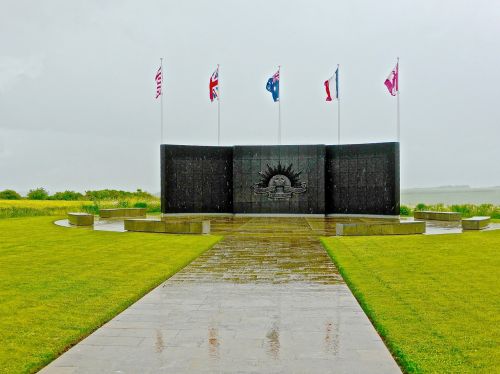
[154,207]
[38,194]
[118,195]
[151,207]
[91,209]
[123,204]
[67,195]
[421,207]
[405,210]
[9,195]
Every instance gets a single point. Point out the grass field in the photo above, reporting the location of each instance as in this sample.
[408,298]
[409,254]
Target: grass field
[57,284]
[434,299]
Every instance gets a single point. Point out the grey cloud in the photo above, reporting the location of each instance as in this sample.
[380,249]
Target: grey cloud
[78,77]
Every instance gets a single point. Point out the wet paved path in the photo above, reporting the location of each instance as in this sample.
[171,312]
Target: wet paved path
[267,299]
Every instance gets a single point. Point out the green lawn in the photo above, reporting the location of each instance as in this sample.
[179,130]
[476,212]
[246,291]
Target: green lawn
[58,284]
[434,299]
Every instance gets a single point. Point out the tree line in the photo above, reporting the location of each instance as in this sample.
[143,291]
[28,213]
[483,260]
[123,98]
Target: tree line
[107,194]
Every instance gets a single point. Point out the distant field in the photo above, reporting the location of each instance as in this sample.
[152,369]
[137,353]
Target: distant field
[449,196]
[30,208]
[41,203]
[57,285]
[434,299]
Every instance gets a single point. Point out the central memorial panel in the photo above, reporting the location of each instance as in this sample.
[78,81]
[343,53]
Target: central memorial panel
[279,179]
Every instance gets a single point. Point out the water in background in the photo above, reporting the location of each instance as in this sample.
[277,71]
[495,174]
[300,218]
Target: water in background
[451,195]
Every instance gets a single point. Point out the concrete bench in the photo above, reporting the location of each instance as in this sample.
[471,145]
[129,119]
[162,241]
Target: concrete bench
[81,219]
[437,216]
[168,227]
[122,212]
[475,223]
[367,229]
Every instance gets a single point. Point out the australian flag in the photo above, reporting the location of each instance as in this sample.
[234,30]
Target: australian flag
[273,86]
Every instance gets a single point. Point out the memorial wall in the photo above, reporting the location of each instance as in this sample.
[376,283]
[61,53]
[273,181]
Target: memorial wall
[287,179]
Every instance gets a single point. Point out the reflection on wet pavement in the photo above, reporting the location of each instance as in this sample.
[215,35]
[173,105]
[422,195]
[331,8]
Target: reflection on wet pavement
[213,342]
[160,345]
[273,341]
[266,299]
[260,259]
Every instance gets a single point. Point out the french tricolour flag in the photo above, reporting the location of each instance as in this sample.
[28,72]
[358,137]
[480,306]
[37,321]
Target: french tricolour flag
[332,87]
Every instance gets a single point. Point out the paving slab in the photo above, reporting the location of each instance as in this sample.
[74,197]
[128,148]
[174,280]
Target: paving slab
[254,303]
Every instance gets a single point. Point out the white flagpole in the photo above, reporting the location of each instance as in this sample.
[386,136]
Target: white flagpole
[279,107]
[161,101]
[218,106]
[338,102]
[397,113]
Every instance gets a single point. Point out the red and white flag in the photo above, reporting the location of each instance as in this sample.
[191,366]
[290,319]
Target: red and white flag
[392,81]
[213,85]
[158,79]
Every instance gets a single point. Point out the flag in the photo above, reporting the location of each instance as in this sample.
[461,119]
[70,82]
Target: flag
[213,86]
[158,79]
[273,86]
[392,81]
[332,83]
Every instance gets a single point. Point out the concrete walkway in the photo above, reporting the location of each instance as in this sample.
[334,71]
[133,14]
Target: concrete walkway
[255,303]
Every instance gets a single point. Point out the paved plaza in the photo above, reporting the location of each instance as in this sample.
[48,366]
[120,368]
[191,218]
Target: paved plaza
[266,299]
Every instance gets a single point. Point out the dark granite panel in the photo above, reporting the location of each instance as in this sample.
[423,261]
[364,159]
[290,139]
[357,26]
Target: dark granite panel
[362,179]
[196,179]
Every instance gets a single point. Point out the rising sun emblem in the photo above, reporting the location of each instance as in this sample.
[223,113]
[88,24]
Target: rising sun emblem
[279,183]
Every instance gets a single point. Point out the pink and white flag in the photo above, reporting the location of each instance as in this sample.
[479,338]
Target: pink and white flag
[392,81]
[158,79]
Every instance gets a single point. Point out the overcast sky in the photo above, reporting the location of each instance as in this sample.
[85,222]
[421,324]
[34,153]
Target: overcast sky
[77,106]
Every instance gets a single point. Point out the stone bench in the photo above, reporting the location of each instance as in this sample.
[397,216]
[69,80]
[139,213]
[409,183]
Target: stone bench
[437,216]
[168,227]
[475,223]
[81,219]
[367,229]
[122,212]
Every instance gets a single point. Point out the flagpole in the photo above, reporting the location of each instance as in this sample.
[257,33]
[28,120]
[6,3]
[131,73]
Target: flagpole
[161,102]
[218,105]
[338,118]
[279,107]
[338,103]
[397,113]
